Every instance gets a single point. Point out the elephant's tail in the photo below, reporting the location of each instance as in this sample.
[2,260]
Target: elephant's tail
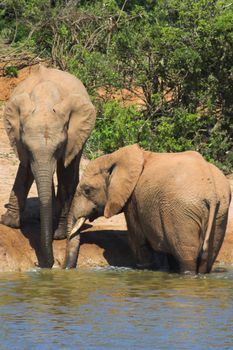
[213,210]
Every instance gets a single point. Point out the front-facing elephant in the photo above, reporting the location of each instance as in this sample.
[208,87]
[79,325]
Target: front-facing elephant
[175,204]
[48,120]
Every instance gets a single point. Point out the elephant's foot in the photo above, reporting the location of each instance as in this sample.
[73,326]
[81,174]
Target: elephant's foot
[188,267]
[10,219]
[145,256]
[46,263]
[60,232]
[203,263]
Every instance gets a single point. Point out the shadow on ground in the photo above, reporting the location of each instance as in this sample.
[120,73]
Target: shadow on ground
[114,244]
[100,245]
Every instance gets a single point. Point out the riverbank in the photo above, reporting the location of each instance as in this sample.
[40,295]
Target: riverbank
[103,243]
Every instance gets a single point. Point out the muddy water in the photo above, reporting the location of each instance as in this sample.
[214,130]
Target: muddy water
[115,309]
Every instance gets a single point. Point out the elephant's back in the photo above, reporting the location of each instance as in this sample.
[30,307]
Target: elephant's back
[174,172]
[66,82]
[179,182]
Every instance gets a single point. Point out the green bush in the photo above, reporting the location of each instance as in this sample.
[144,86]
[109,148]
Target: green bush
[180,132]
[181,49]
[11,71]
[117,126]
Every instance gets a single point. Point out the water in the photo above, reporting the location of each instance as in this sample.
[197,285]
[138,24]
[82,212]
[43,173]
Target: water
[115,309]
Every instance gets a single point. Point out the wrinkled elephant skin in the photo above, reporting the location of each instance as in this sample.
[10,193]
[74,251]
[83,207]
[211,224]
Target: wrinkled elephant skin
[176,206]
[48,119]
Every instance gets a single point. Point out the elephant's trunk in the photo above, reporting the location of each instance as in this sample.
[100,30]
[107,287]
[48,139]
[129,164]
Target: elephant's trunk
[44,180]
[73,241]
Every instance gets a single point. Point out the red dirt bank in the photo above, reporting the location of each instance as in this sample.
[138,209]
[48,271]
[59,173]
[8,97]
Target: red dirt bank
[103,244]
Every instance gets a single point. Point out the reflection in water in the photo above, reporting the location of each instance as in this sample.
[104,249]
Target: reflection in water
[115,308]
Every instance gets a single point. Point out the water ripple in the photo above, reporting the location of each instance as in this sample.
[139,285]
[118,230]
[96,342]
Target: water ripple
[115,308]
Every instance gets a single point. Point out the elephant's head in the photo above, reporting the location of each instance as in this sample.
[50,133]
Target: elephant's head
[104,189]
[58,127]
[44,127]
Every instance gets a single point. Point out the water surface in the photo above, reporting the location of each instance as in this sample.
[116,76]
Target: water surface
[115,309]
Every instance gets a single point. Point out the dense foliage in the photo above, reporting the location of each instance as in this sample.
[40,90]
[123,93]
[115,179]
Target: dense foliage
[177,56]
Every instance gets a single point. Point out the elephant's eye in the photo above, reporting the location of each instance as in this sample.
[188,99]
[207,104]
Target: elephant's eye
[87,191]
[22,129]
[65,126]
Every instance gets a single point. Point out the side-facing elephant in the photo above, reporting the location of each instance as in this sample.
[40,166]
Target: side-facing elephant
[175,204]
[48,119]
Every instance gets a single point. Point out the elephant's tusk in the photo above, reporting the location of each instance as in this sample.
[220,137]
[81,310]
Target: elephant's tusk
[77,226]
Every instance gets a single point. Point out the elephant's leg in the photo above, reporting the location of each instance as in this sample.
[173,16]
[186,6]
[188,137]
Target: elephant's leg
[162,261]
[219,234]
[186,252]
[183,242]
[216,240]
[145,255]
[173,264]
[140,247]
[18,195]
[68,179]
[187,257]
[188,266]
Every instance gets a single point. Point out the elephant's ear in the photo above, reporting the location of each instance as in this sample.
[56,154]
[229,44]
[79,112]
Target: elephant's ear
[16,110]
[81,114]
[126,166]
